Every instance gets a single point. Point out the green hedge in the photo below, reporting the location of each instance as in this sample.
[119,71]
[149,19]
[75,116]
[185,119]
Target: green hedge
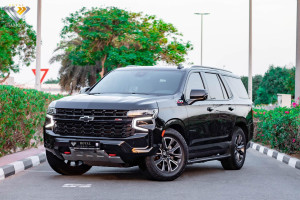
[22,114]
[279,128]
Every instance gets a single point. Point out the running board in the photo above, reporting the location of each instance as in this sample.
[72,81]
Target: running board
[204,159]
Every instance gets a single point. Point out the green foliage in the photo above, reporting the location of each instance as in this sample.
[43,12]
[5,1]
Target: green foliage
[290,82]
[276,80]
[16,40]
[22,114]
[262,96]
[52,81]
[106,38]
[256,81]
[279,128]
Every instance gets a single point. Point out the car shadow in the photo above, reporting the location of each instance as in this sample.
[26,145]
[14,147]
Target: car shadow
[134,173]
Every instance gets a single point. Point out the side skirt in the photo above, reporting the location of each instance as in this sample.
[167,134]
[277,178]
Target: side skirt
[204,159]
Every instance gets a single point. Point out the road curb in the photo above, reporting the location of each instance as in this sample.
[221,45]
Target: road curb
[293,162]
[21,165]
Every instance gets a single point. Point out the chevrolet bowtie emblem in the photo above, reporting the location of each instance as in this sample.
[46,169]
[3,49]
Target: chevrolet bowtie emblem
[86,118]
[16,15]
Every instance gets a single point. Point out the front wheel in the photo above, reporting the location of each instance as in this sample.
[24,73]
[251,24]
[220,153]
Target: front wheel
[66,167]
[170,161]
[237,151]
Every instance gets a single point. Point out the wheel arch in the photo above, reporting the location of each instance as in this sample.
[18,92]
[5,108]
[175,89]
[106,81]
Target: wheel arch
[242,123]
[177,125]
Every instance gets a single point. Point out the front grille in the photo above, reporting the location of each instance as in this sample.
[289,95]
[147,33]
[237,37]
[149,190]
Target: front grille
[105,123]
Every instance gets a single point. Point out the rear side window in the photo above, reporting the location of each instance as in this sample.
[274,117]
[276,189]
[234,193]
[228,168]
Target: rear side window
[194,83]
[237,86]
[216,88]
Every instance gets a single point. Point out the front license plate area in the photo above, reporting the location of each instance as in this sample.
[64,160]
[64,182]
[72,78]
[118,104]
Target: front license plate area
[85,144]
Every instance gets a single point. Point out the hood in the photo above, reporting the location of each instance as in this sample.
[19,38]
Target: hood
[110,101]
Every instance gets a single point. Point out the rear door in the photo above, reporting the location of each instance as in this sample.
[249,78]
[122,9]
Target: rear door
[220,99]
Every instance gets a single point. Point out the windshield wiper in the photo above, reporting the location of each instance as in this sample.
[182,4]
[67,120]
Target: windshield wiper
[94,93]
[139,93]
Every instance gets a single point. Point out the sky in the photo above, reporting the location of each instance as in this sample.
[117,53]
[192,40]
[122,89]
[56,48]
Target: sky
[225,30]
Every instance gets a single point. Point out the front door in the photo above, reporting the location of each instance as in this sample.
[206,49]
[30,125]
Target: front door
[200,120]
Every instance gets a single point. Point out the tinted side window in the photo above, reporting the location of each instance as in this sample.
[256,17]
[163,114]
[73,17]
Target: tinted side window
[227,88]
[194,82]
[214,87]
[225,92]
[237,86]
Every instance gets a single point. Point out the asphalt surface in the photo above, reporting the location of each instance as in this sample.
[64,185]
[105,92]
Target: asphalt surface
[261,178]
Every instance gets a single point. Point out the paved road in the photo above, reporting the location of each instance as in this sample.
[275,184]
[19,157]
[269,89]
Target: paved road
[261,178]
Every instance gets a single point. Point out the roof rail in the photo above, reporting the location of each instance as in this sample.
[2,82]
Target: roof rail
[213,68]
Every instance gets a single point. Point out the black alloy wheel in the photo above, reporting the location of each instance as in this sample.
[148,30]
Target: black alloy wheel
[237,151]
[170,160]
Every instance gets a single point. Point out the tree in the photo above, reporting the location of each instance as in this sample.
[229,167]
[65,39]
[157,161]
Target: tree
[274,82]
[17,41]
[73,77]
[290,82]
[52,81]
[256,80]
[108,38]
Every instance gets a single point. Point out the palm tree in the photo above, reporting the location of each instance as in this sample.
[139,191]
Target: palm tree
[73,77]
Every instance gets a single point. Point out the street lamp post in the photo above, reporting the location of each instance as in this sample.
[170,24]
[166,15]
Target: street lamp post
[250,52]
[201,14]
[38,47]
[297,73]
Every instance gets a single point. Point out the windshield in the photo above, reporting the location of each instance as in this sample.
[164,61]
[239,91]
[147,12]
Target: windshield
[139,82]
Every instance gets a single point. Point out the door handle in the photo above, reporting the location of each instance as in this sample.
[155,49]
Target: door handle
[230,108]
[210,109]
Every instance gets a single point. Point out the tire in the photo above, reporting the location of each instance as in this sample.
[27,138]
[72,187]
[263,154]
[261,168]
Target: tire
[66,167]
[237,151]
[171,159]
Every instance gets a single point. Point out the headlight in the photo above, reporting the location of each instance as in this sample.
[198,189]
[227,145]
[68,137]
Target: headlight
[143,119]
[143,113]
[49,123]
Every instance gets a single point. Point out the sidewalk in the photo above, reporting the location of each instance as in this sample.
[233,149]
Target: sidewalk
[5,160]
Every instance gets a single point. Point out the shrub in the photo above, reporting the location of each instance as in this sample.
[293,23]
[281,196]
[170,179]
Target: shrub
[22,114]
[279,128]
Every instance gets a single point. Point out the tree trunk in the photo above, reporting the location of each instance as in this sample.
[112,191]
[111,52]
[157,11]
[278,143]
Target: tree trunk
[102,66]
[4,79]
[102,71]
[93,75]
[297,73]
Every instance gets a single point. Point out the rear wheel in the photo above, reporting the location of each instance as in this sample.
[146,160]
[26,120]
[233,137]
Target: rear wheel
[66,167]
[170,161]
[237,151]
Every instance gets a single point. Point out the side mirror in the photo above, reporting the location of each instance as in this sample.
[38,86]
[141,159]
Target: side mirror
[198,95]
[84,90]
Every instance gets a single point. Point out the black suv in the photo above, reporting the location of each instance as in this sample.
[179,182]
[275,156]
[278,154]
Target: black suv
[157,118]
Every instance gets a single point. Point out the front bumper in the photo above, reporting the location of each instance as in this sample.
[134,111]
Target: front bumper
[111,151]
